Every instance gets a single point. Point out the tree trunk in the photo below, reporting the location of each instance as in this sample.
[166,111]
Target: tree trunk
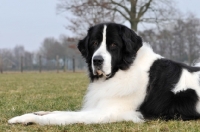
[64,64]
[58,64]
[134,25]
[1,65]
[40,63]
[22,62]
[73,60]
[133,19]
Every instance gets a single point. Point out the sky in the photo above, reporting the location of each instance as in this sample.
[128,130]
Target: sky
[28,22]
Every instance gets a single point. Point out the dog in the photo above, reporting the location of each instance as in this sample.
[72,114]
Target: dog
[128,82]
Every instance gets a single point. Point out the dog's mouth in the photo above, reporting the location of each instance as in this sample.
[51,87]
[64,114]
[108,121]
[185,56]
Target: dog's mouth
[102,73]
[99,72]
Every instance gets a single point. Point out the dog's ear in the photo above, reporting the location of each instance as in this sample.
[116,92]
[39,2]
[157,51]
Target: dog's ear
[132,43]
[82,46]
[131,40]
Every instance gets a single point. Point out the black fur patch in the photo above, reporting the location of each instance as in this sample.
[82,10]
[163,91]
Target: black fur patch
[160,101]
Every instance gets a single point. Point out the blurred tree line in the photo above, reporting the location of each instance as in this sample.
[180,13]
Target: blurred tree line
[53,54]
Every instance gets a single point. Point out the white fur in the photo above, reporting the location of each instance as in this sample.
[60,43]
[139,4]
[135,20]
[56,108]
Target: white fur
[116,99]
[188,80]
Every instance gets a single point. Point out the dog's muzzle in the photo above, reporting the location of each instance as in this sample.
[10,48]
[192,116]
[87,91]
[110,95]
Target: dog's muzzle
[98,64]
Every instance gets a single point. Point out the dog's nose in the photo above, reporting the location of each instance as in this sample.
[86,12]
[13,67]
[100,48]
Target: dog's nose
[98,60]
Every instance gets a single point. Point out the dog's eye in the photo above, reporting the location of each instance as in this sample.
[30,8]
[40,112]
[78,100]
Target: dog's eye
[113,45]
[95,43]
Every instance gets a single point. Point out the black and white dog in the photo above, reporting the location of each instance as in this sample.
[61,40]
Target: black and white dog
[129,82]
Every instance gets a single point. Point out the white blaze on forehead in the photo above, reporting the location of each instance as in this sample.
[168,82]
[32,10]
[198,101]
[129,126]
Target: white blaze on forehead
[104,37]
[102,51]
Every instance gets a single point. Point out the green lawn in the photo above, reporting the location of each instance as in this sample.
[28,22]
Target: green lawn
[29,92]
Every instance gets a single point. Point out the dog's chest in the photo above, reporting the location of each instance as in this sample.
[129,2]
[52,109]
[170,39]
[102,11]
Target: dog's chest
[126,91]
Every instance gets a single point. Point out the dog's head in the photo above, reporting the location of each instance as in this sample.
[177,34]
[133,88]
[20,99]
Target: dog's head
[109,47]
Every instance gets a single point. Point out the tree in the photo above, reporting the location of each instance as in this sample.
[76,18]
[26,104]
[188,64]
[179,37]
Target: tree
[84,14]
[192,38]
[71,51]
[150,36]
[179,41]
[69,45]
[7,59]
[51,48]
[18,52]
[90,12]
[1,65]
[28,60]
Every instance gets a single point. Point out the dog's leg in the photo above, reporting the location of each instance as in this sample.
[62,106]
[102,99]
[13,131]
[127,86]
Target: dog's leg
[87,117]
[59,118]
[24,119]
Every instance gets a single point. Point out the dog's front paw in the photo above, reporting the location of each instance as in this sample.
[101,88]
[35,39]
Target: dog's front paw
[138,118]
[23,119]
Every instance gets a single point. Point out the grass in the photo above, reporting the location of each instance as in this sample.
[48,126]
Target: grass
[29,92]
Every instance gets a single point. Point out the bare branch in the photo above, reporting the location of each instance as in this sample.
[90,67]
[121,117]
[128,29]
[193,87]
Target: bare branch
[127,18]
[144,9]
[135,11]
[122,6]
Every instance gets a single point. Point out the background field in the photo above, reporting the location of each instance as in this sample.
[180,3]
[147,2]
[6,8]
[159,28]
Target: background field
[29,92]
